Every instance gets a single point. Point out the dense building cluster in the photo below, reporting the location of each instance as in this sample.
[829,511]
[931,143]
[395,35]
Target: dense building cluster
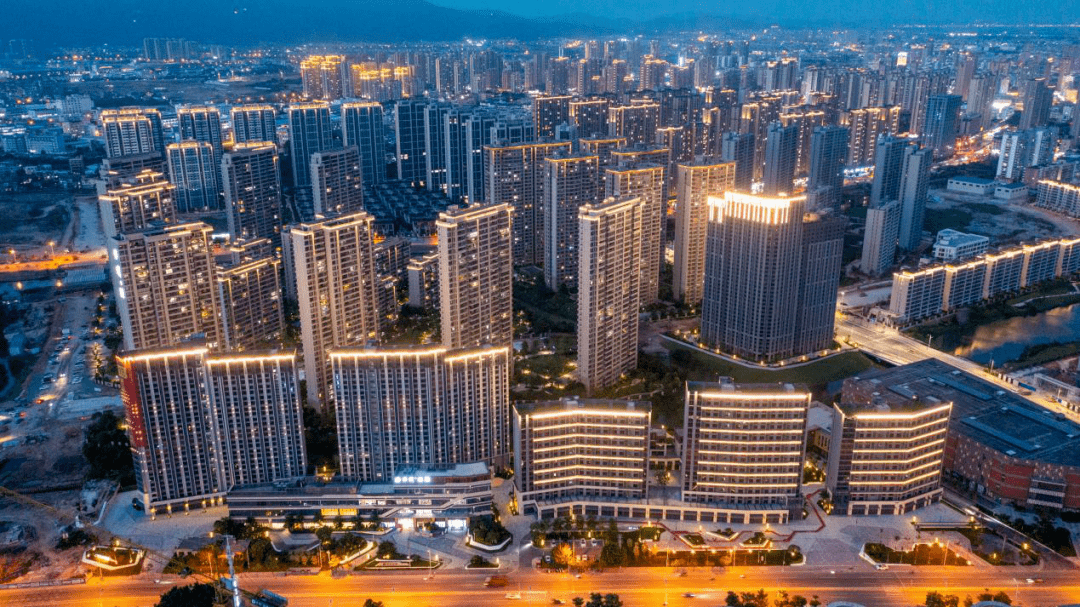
[626,173]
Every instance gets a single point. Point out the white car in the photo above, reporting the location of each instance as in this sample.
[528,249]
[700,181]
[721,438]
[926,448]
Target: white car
[881,567]
[513,595]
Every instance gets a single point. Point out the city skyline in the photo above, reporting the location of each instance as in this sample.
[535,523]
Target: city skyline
[662,293]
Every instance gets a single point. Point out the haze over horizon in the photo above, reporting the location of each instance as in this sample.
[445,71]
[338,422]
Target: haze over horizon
[838,11]
[127,21]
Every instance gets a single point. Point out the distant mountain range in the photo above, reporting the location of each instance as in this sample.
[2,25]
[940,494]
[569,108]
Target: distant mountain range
[127,22]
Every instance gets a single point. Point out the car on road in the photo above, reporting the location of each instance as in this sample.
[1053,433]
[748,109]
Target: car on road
[1034,580]
[688,595]
[513,595]
[881,567]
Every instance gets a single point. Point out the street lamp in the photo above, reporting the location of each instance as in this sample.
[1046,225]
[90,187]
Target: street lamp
[52,253]
[14,257]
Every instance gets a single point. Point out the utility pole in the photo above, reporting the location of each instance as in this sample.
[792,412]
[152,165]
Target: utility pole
[232,571]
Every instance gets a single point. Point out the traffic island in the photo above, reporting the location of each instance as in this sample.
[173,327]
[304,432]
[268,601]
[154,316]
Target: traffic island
[920,554]
[387,557]
[114,560]
[413,562]
[479,562]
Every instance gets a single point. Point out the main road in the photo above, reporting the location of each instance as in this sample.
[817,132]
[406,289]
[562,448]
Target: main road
[894,347]
[900,586]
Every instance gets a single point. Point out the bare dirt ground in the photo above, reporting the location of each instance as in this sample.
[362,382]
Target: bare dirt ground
[1005,223]
[28,221]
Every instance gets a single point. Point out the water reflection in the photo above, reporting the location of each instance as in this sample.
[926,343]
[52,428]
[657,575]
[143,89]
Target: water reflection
[1005,340]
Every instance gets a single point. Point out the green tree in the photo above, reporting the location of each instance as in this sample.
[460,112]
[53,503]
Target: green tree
[195,595]
[371,603]
[578,601]
[388,550]
[936,599]
[612,555]
[612,533]
[604,600]
[107,450]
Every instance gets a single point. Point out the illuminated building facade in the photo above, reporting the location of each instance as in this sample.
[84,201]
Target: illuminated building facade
[254,401]
[419,406]
[130,131]
[309,132]
[444,495]
[549,111]
[136,203]
[574,448]
[249,290]
[569,183]
[887,449]
[515,176]
[1059,196]
[1000,445]
[362,126]
[325,77]
[771,276]
[200,423]
[609,290]
[332,268]
[336,182]
[637,123]
[696,182]
[866,126]
[192,168]
[253,123]
[165,284]
[744,448]
[919,294]
[251,175]
[475,276]
[589,117]
[648,182]
[423,276]
[202,124]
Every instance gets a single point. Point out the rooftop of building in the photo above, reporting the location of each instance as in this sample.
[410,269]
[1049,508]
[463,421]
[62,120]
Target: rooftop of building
[444,471]
[582,404]
[1012,186]
[726,385]
[971,180]
[407,476]
[955,238]
[819,417]
[1000,419]
[873,396]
